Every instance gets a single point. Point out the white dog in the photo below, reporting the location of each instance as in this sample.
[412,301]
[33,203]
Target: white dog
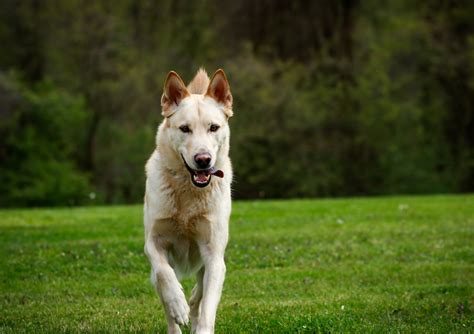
[187,198]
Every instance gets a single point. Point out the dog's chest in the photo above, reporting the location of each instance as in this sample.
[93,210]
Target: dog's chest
[187,221]
[190,212]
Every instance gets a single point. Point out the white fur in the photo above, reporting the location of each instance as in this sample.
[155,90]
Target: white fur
[186,227]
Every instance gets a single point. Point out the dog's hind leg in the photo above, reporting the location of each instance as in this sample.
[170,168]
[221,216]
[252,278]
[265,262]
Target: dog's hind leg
[195,300]
[168,287]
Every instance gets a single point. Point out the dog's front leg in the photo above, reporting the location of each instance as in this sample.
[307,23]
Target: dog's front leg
[167,286]
[212,288]
[212,253]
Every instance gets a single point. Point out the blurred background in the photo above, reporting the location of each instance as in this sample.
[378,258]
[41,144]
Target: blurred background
[331,98]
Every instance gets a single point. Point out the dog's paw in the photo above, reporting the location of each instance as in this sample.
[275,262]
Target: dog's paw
[178,308]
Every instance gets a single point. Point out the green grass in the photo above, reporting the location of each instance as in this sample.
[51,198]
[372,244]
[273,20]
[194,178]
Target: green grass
[396,264]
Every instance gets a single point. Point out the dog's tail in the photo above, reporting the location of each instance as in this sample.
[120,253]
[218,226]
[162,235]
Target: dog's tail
[200,83]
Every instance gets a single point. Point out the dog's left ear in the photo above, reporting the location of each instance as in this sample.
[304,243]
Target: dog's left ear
[219,90]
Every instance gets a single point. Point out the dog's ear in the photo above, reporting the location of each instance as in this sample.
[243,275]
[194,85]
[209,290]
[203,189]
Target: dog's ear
[219,90]
[174,92]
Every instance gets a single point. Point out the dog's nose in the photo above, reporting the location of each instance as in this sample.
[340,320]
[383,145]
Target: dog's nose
[202,160]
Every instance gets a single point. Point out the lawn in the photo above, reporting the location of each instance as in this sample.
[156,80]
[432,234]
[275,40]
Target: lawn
[392,264]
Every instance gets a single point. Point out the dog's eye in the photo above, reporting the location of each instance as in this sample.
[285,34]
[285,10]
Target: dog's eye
[214,128]
[185,128]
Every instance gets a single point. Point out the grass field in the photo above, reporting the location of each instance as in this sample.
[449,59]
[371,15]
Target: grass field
[396,264]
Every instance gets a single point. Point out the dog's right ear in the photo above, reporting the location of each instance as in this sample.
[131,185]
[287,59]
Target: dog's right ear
[174,92]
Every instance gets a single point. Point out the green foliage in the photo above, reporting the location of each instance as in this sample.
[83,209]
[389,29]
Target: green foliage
[331,98]
[289,154]
[40,135]
[397,264]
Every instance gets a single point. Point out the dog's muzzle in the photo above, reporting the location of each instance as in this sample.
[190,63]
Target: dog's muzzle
[202,177]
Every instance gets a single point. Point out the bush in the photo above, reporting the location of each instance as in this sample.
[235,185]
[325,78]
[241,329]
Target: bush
[41,133]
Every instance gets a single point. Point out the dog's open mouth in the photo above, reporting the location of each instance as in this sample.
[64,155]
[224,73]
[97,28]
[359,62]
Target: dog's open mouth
[202,177]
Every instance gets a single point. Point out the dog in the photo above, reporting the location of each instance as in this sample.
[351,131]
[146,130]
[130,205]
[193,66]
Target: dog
[188,198]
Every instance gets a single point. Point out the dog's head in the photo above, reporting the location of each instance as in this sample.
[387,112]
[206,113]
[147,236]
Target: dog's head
[196,122]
